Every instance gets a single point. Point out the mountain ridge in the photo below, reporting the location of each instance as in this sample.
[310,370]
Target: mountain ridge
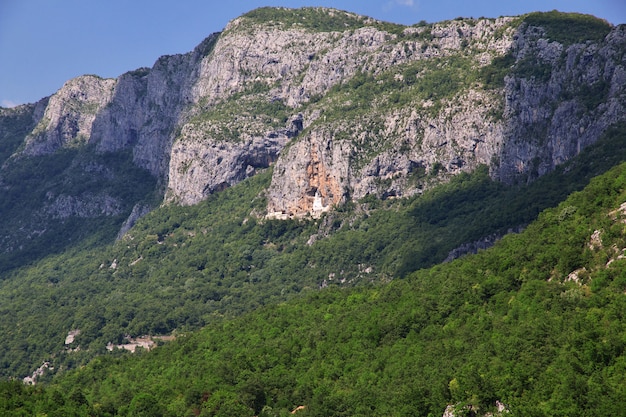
[170,114]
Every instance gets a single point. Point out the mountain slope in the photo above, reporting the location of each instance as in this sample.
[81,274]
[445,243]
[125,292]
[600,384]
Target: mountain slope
[533,326]
[381,147]
[344,105]
[181,268]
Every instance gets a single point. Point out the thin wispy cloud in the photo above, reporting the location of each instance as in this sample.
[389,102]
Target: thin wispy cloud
[393,4]
[8,104]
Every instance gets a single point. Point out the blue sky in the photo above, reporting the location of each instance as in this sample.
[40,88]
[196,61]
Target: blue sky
[43,43]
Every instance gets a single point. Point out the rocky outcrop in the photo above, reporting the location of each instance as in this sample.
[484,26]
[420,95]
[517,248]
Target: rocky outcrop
[265,92]
[87,205]
[69,115]
[201,165]
[478,245]
[314,167]
[407,146]
[147,107]
[559,101]
[140,110]
[139,210]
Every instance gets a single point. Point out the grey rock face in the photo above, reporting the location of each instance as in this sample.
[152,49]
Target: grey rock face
[552,116]
[69,115]
[139,210]
[87,206]
[262,94]
[118,125]
[409,145]
[542,122]
[201,165]
[146,108]
[309,65]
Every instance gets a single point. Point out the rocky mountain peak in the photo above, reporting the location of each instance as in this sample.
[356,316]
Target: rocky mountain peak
[344,106]
[70,114]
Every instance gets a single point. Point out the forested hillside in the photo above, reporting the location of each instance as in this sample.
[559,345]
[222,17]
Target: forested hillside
[181,268]
[534,326]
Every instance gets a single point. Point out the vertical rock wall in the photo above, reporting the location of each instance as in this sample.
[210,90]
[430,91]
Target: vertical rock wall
[260,93]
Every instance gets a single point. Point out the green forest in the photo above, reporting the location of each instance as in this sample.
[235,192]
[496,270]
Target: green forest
[506,326]
[181,268]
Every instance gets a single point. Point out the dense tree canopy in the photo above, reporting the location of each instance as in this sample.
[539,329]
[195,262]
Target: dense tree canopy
[535,323]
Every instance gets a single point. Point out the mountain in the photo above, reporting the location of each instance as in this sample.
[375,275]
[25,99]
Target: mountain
[301,149]
[532,326]
[374,107]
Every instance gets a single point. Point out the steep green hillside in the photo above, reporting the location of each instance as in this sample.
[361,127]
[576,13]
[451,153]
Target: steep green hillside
[73,198]
[181,268]
[535,323]
[569,28]
[15,124]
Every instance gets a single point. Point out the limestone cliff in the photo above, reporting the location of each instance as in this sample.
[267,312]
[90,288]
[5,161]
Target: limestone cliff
[69,115]
[344,106]
[560,99]
[555,100]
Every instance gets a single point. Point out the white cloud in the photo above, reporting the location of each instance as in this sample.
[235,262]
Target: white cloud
[392,4]
[8,103]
